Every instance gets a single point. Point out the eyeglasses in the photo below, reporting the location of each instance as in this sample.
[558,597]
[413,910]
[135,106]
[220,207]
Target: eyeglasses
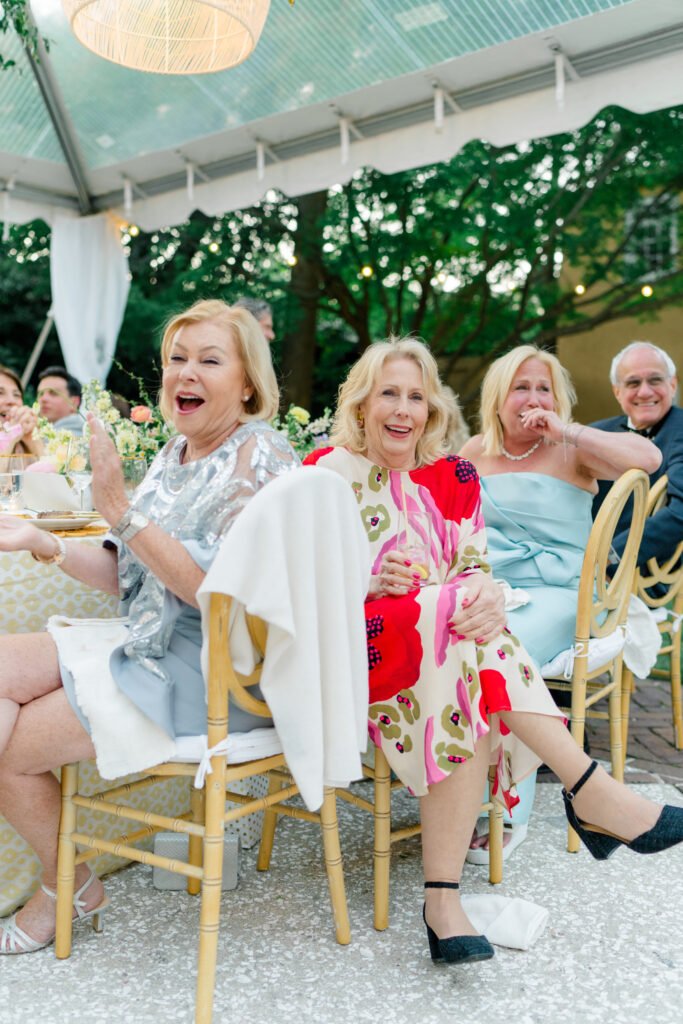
[633,383]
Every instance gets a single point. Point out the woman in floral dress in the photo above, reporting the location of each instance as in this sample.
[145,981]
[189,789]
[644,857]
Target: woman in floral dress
[451,688]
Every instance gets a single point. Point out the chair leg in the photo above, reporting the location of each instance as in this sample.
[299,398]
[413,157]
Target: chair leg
[66,862]
[628,687]
[382,856]
[675,676]
[268,829]
[212,880]
[333,863]
[195,842]
[617,750]
[495,834]
[577,728]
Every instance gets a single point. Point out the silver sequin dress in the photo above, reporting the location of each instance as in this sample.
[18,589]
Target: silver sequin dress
[158,667]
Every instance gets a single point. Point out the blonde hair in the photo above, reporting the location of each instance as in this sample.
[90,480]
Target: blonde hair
[497,384]
[252,348]
[362,377]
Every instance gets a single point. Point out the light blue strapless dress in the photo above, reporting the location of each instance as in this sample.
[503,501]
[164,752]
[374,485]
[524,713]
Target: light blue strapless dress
[537,529]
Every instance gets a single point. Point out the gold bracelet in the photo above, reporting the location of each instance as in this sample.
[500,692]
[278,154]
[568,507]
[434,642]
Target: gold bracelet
[59,554]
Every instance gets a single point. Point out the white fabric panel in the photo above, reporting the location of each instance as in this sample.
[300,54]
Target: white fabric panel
[89,275]
[297,557]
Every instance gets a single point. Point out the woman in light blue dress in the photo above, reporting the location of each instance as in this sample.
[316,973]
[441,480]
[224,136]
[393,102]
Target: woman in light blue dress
[539,472]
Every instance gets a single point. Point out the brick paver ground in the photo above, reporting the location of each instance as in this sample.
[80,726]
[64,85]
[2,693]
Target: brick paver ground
[651,750]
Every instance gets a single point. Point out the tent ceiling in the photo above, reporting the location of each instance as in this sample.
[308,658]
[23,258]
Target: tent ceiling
[75,127]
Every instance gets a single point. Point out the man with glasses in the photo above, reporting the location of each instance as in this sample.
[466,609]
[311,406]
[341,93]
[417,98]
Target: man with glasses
[644,382]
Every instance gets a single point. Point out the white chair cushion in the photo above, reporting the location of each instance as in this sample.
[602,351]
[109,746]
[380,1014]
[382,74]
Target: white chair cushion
[242,746]
[600,651]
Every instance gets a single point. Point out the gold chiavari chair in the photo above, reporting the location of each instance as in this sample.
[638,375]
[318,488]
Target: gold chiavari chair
[601,613]
[666,603]
[205,823]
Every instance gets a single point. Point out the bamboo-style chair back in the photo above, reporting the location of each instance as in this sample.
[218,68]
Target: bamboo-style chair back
[601,610]
[666,575]
[205,823]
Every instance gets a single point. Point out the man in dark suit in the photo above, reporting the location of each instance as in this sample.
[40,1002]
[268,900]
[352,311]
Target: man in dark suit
[644,382]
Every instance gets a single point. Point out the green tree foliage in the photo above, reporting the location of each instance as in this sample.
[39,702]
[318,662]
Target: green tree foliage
[16,15]
[475,255]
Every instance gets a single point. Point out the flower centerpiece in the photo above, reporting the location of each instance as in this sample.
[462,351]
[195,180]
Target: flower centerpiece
[140,436]
[303,433]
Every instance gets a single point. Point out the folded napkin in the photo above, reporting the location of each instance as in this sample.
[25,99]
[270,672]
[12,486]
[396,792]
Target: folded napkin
[48,492]
[506,921]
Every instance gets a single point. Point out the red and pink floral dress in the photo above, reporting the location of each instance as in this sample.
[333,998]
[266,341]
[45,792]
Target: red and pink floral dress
[433,693]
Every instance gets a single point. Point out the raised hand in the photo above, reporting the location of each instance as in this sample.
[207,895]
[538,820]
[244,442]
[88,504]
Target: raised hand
[108,493]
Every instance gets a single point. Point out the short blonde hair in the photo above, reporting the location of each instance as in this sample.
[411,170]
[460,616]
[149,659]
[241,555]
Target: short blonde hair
[252,347]
[360,381]
[497,384]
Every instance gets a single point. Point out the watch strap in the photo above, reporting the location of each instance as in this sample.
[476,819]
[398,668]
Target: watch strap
[130,523]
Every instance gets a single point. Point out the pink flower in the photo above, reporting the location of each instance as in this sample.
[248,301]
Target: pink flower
[140,414]
[41,467]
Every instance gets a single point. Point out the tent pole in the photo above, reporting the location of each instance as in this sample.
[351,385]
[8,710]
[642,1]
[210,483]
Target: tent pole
[37,349]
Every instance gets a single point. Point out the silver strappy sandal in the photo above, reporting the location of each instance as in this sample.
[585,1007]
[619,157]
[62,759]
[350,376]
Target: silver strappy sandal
[14,940]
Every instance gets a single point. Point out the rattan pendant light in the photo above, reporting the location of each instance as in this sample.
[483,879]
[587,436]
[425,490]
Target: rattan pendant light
[174,37]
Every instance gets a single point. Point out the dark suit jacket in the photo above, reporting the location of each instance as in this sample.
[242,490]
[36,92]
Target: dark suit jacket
[664,530]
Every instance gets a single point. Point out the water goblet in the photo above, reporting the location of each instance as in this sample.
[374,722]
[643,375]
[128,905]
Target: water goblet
[11,474]
[414,542]
[78,467]
[134,469]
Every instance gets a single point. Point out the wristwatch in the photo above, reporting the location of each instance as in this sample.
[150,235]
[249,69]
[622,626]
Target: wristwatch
[130,524]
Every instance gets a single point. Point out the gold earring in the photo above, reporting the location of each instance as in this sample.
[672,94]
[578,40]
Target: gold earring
[360,419]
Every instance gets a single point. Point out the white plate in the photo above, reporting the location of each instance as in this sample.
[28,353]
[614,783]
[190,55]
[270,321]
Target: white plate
[75,521]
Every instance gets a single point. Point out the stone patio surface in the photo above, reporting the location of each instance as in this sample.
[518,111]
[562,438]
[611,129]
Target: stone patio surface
[612,952]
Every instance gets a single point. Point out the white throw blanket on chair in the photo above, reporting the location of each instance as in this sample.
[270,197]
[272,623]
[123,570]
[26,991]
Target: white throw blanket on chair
[297,557]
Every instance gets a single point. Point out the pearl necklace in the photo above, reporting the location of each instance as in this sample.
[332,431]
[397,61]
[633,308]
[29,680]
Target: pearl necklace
[525,455]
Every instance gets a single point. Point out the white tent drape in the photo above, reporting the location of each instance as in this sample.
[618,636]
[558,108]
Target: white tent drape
[90,282]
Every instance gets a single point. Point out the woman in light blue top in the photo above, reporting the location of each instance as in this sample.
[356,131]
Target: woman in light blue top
[539,472]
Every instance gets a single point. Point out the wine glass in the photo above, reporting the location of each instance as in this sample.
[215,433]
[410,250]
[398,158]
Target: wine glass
[78,468]
[414,541]
[134,469]
[11,474]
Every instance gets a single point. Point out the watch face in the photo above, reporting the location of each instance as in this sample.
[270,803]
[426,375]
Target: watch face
[136,523]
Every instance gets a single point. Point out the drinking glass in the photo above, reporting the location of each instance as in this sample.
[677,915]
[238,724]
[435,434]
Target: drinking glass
[78,468]
[134,469]
[414,541]
[11,474]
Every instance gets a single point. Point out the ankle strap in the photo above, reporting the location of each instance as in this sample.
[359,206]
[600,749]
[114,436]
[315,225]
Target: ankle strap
[442,885]
[584,778]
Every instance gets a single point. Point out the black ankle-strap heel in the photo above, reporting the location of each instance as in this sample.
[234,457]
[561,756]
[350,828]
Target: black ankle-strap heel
[666,832]
[458,949]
